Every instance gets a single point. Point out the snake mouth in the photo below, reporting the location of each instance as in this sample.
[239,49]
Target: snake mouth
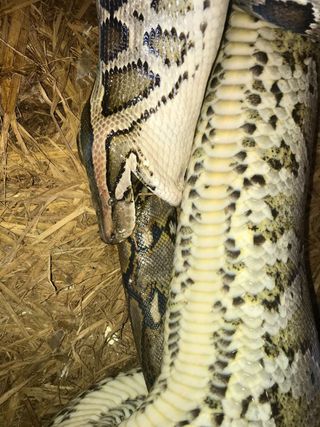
[116,220]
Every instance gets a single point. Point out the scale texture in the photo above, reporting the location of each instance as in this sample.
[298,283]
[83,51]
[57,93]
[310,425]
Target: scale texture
[155,59]
[240,343]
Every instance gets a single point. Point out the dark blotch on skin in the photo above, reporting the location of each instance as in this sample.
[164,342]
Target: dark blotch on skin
[257,70]
[249,128]
[254,99]
[206,4]
[235,194]
[273,121]
[277,93]
[219,419]
[258,179]
[237,301]
[193,194]
[245,405]
[192,180]
[264,398]
[138,16]
[240,169]
[275,164]
[258,239]
[220,391]
[261,57]
[241,155]
[297,113]
[203,27]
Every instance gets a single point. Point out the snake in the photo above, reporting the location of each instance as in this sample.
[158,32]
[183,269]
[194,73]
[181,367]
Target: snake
[239,340]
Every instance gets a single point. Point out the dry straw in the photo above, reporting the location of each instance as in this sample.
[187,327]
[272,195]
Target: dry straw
[63,324]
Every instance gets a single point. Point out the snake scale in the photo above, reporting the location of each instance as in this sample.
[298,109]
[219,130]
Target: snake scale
[240,345]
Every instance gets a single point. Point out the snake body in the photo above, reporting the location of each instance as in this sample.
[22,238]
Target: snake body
[146,261]
[240,343]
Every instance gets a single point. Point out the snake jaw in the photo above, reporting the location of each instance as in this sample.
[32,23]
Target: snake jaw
[116,215]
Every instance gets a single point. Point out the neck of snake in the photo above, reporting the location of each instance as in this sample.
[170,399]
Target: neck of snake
[239,277]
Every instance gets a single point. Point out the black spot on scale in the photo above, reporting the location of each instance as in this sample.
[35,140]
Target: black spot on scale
[273,121]
[214,83]
[204,139]
[277,93]
[233,254]
[192,180]
[288,15]
[228,278]
[174,315]
[275,410]
[203,27]
[258,179]
[254,99]
[245,405]
[311,88]
[247,183]
[275,164]
[248,142]
[219,419]
[263,398]
[230,243]
[271,305]
[249,128]
[261,57]
[237,301]
[194,413]
[258,239]
[198,166]
[219,365]
[185,253]
[235,194]
[209,111]
[155,5]
[231,208]
[185,241]
[297,113]
[182,423]
[217,305]
[193,194]
[224,378]
[138,15]
[257,70]
[241,155]
[219,391]
[206,4]
[258,86]
[240,169]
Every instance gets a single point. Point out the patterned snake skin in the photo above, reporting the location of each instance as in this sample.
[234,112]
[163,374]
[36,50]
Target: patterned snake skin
[240,343]
[146,260]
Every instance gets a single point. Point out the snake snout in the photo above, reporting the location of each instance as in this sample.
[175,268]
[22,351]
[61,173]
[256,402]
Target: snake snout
[116,221]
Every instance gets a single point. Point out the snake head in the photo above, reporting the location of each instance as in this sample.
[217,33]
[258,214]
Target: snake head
[109,175]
